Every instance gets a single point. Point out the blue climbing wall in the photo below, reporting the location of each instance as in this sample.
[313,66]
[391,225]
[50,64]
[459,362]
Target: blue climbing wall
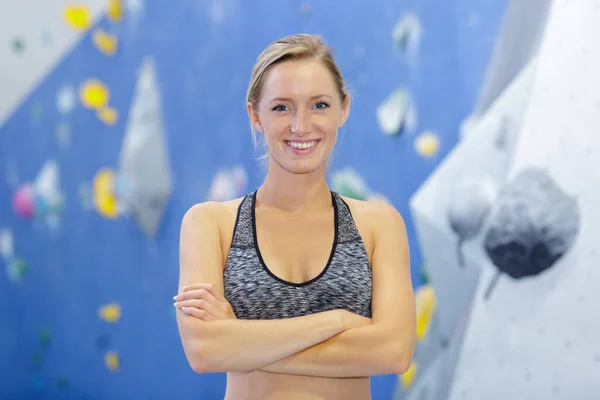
[53,342]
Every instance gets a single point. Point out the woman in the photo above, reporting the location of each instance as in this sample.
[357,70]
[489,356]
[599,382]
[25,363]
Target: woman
[294,287]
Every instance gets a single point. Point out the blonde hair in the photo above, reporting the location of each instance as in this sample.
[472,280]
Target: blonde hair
[295,47]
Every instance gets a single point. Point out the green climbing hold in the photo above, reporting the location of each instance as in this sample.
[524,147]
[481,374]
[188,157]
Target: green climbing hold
[62,383]
[37,359]
[16,269]
[18,45]
[352,192]
[423,275]
[347,182]
[45,337]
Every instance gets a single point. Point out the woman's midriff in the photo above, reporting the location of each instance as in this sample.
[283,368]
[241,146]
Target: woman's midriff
[258,385]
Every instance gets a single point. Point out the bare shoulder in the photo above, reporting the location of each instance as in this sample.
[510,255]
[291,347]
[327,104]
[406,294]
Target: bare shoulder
[387,241]
[377,215]
[211,211]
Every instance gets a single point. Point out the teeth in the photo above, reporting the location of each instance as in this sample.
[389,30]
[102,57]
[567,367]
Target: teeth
[305,145]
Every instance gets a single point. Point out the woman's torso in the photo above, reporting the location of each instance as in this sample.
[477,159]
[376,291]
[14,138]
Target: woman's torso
[286,266]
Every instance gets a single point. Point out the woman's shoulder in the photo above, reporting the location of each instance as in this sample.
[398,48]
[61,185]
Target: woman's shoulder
[372,208]
[214,211]
[374,214]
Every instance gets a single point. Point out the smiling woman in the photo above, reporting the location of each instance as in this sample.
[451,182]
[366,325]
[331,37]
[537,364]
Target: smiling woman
[294,287]
[298,103]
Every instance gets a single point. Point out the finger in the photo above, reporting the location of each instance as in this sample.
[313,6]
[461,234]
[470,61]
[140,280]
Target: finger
[196,294]
[197,313]
[199,285]
[206,286]
[197,303]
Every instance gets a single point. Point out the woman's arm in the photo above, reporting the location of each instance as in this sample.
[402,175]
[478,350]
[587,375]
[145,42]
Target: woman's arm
[387,345]
[233,345]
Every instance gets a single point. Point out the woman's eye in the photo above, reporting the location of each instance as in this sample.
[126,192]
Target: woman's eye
[321,105]
[280,108]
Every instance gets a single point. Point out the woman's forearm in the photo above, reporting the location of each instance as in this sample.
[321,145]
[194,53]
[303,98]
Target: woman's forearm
[364,351]
[232,345]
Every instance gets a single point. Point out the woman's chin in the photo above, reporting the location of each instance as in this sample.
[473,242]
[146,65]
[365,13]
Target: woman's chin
[302,167]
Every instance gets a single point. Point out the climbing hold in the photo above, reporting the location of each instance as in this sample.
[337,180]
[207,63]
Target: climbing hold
[112,362]
[105,42]
[23,199]
[408,378]
[115,10]
[108,115]
[110,312]
[228,184]
[63,135]
[62,383]
[16,269]
[347,182]
[104,198]
[18,45]
[37,359]
[45,337]
[65,99]
[426,302]
[427,144]
[391,114]
[77,17]
[93,94]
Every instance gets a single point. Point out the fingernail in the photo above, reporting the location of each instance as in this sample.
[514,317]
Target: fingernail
[175,304]
[174,297]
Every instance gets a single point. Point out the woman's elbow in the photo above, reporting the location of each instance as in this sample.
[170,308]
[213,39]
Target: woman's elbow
[400,365]
[205,358]
[401,358]
[198,366]
[198,358]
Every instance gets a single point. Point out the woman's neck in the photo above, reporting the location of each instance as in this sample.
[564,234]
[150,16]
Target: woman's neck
[294,192]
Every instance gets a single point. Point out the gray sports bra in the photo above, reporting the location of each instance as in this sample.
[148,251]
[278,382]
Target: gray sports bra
[254,292]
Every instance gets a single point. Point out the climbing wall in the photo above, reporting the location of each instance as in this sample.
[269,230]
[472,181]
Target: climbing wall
[506,223]
[138,114]
[37,39]
[537,337]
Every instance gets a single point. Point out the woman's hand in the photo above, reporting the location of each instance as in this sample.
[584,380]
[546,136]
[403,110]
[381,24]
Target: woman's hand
[202,301]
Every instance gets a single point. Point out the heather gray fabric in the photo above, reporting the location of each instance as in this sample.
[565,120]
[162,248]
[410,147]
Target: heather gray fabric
[255,293]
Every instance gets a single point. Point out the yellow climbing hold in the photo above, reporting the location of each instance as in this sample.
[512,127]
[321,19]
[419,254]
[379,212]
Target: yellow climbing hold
[105,42]
[426,302]
[115,10]
[108,115]
[93,94]
[427,144]
[408,378]
[110,312]
[111,360]
[104,198]
[78,17]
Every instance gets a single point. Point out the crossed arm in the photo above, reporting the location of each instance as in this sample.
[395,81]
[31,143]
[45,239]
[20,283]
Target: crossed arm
[329,344]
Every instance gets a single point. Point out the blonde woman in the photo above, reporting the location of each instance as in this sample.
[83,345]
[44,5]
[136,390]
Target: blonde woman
[295,291]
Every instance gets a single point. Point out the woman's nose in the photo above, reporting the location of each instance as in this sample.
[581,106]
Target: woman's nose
[301,123]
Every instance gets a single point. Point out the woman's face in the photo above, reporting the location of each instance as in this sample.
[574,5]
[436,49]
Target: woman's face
[299,113]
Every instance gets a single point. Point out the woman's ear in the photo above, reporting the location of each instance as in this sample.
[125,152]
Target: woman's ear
[254,118]
[345,110]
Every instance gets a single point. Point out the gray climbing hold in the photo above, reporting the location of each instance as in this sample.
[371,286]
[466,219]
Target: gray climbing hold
[469,206]
[533,224]
[144,165]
